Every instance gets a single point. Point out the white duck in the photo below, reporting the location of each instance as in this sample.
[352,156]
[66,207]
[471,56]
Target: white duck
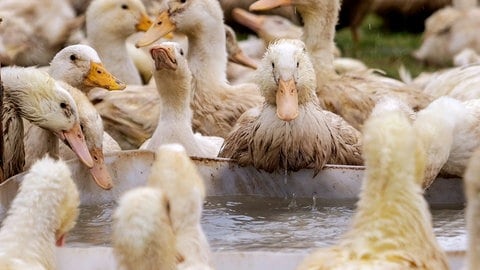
[43,211]
[472,213]
[109,24]
[35,31]
[216,104]
[448,31]
[142,233]
[163,219]
[35,96]
[173,79]
[351,95]
[80,67]
[291,131]
[461,83]
[392,226]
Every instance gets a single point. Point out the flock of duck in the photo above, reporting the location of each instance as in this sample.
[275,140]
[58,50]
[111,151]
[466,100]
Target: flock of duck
[297,110]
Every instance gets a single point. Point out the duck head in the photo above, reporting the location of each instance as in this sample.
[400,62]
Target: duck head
[120,17]
[181,16]
[80,66]
[286,77]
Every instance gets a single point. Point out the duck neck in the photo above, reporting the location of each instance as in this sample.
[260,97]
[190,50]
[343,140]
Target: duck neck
[114,54]
[30,226]
[207,56]
[13,132]
[174,97]
[320,18]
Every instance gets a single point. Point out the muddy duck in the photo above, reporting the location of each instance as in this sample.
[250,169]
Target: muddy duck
[290,131]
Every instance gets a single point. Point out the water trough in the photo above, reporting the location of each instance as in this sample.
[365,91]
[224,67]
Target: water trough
[225,178]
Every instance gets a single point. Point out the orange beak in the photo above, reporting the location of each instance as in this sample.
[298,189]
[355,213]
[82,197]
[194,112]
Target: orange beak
[76,141]
[99,171]
[287,100]
[268,4]
[248,19]
[241,59]
[160,27]
[143,23]
[98,76]
[60,241]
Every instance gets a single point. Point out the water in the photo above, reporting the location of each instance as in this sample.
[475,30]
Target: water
[250,223]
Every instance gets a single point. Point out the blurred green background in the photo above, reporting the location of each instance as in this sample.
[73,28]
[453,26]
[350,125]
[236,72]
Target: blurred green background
[381,49]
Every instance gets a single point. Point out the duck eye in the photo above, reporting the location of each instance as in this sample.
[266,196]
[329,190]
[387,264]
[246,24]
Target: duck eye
[73,57]
[298,64]
[183,1]
[181,51]
[273,65]
[63,105]
[124,6]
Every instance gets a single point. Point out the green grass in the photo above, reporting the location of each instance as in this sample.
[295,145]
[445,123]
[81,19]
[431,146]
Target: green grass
[381,49]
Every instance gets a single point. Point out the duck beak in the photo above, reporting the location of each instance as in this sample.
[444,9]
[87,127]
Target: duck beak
[164,57]
[60,241]
[269,4]
[287,100]
[98,76]
[160,27]
[248,19]
[76,141]
[241,59]
[99,172]
[143,23]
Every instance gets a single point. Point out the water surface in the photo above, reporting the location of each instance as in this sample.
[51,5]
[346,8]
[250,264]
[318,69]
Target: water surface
[252,223]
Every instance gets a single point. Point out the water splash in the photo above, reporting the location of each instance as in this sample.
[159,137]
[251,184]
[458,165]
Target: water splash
[293,202]
[314,201]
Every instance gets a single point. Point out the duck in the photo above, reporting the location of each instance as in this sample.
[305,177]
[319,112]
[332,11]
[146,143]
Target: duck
[37,97]
[392,226]
[131,116]
[447,32]
[351,95]
[290,131]
[436,130]
[40,216]
[33,32]
[161,222]
[271,27]
[80,66]
[216,104]
[472,189]
[235,52]
[229,5]
[142,233]
[173,80]
[109,39]
[458,82]
[80,69]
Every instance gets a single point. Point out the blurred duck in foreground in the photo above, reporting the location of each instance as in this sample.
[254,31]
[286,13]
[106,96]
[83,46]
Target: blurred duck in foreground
[472,213]
[449,136]
[158,226]
[290,131]
[43,211]
[37,97]
[173,80]
[392,226]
